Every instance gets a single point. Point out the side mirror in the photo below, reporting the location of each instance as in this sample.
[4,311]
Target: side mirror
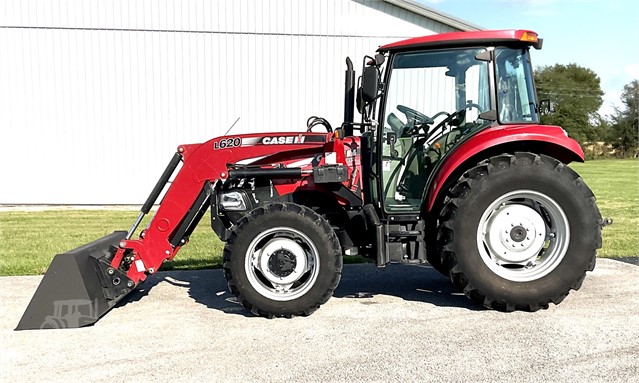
[370,83]
[367,91]
[546,106]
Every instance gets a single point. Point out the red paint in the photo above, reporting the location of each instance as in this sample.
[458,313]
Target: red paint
[163,224]
[455,38]
[201,163]
[501,135]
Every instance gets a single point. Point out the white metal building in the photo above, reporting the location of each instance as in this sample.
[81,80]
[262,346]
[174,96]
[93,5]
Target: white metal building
[96,95]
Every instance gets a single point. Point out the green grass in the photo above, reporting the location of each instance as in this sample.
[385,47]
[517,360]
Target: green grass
[29,240]
[616,186]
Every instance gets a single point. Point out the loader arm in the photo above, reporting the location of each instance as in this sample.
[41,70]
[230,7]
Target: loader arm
[188,196]
[103,272]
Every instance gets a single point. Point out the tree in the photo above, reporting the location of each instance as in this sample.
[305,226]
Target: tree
[624,130]
[577,94]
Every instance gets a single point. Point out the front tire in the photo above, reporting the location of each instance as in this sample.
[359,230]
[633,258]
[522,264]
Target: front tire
[282,260]
[519,231]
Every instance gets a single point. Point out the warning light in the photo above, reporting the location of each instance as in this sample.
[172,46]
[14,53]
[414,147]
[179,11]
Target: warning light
[529,36]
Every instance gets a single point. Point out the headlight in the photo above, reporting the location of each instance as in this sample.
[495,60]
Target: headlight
[232,201]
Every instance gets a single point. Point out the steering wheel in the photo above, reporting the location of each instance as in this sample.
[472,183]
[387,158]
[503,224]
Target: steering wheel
[414,116]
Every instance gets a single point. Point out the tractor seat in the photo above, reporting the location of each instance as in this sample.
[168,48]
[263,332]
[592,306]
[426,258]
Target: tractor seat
[395,123]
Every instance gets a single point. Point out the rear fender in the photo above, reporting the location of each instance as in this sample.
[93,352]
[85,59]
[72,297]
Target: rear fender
[543,139]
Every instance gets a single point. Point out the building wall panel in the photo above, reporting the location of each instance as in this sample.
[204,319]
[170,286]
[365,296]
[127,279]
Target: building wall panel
[95,96]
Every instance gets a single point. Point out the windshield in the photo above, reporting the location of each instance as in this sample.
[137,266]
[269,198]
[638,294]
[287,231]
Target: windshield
[437,84]
[516,94]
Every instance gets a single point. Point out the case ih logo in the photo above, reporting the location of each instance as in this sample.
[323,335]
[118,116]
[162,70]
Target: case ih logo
[283,140]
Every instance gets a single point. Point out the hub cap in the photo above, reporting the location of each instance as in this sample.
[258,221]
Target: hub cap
[282,263]
[523,235]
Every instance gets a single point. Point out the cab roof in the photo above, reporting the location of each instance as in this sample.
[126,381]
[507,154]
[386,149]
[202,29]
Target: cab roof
[454,39]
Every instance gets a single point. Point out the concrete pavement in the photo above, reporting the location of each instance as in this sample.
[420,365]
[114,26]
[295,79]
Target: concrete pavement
[405,323]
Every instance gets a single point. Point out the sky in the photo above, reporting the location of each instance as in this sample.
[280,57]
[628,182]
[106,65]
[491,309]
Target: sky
[595,34]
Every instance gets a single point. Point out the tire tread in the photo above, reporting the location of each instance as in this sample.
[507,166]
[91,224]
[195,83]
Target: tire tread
[464,187]
[328,235]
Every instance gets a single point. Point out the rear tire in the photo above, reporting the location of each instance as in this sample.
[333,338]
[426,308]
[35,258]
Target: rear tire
[282,260]
[519,231]
[433,255]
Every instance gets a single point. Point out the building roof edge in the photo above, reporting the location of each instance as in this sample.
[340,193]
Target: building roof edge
[423,10]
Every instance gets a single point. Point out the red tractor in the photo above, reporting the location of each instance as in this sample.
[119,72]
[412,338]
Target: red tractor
[449,165]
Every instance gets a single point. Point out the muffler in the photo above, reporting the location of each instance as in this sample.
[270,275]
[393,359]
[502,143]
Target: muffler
[78,288]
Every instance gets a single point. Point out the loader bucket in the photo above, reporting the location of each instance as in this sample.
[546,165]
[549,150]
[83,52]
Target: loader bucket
[78,288]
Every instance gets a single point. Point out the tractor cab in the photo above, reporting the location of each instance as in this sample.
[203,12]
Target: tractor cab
[434,95]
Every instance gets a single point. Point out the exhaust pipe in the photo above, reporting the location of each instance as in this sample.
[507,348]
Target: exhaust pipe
[349,98]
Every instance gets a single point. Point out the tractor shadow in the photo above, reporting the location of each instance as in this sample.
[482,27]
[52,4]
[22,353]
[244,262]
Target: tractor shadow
[411,282]
[419,283]
[207,287]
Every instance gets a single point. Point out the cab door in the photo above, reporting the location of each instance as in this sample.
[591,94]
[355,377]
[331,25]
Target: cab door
[431,99]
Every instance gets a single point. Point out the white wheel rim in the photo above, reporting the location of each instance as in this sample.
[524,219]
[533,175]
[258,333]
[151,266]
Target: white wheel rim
[282,263]
[523,235]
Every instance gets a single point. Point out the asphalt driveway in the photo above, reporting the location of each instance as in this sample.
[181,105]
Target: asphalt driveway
[405,323]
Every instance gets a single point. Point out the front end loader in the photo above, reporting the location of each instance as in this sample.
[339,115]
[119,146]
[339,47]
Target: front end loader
[449,165]
[106,270]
